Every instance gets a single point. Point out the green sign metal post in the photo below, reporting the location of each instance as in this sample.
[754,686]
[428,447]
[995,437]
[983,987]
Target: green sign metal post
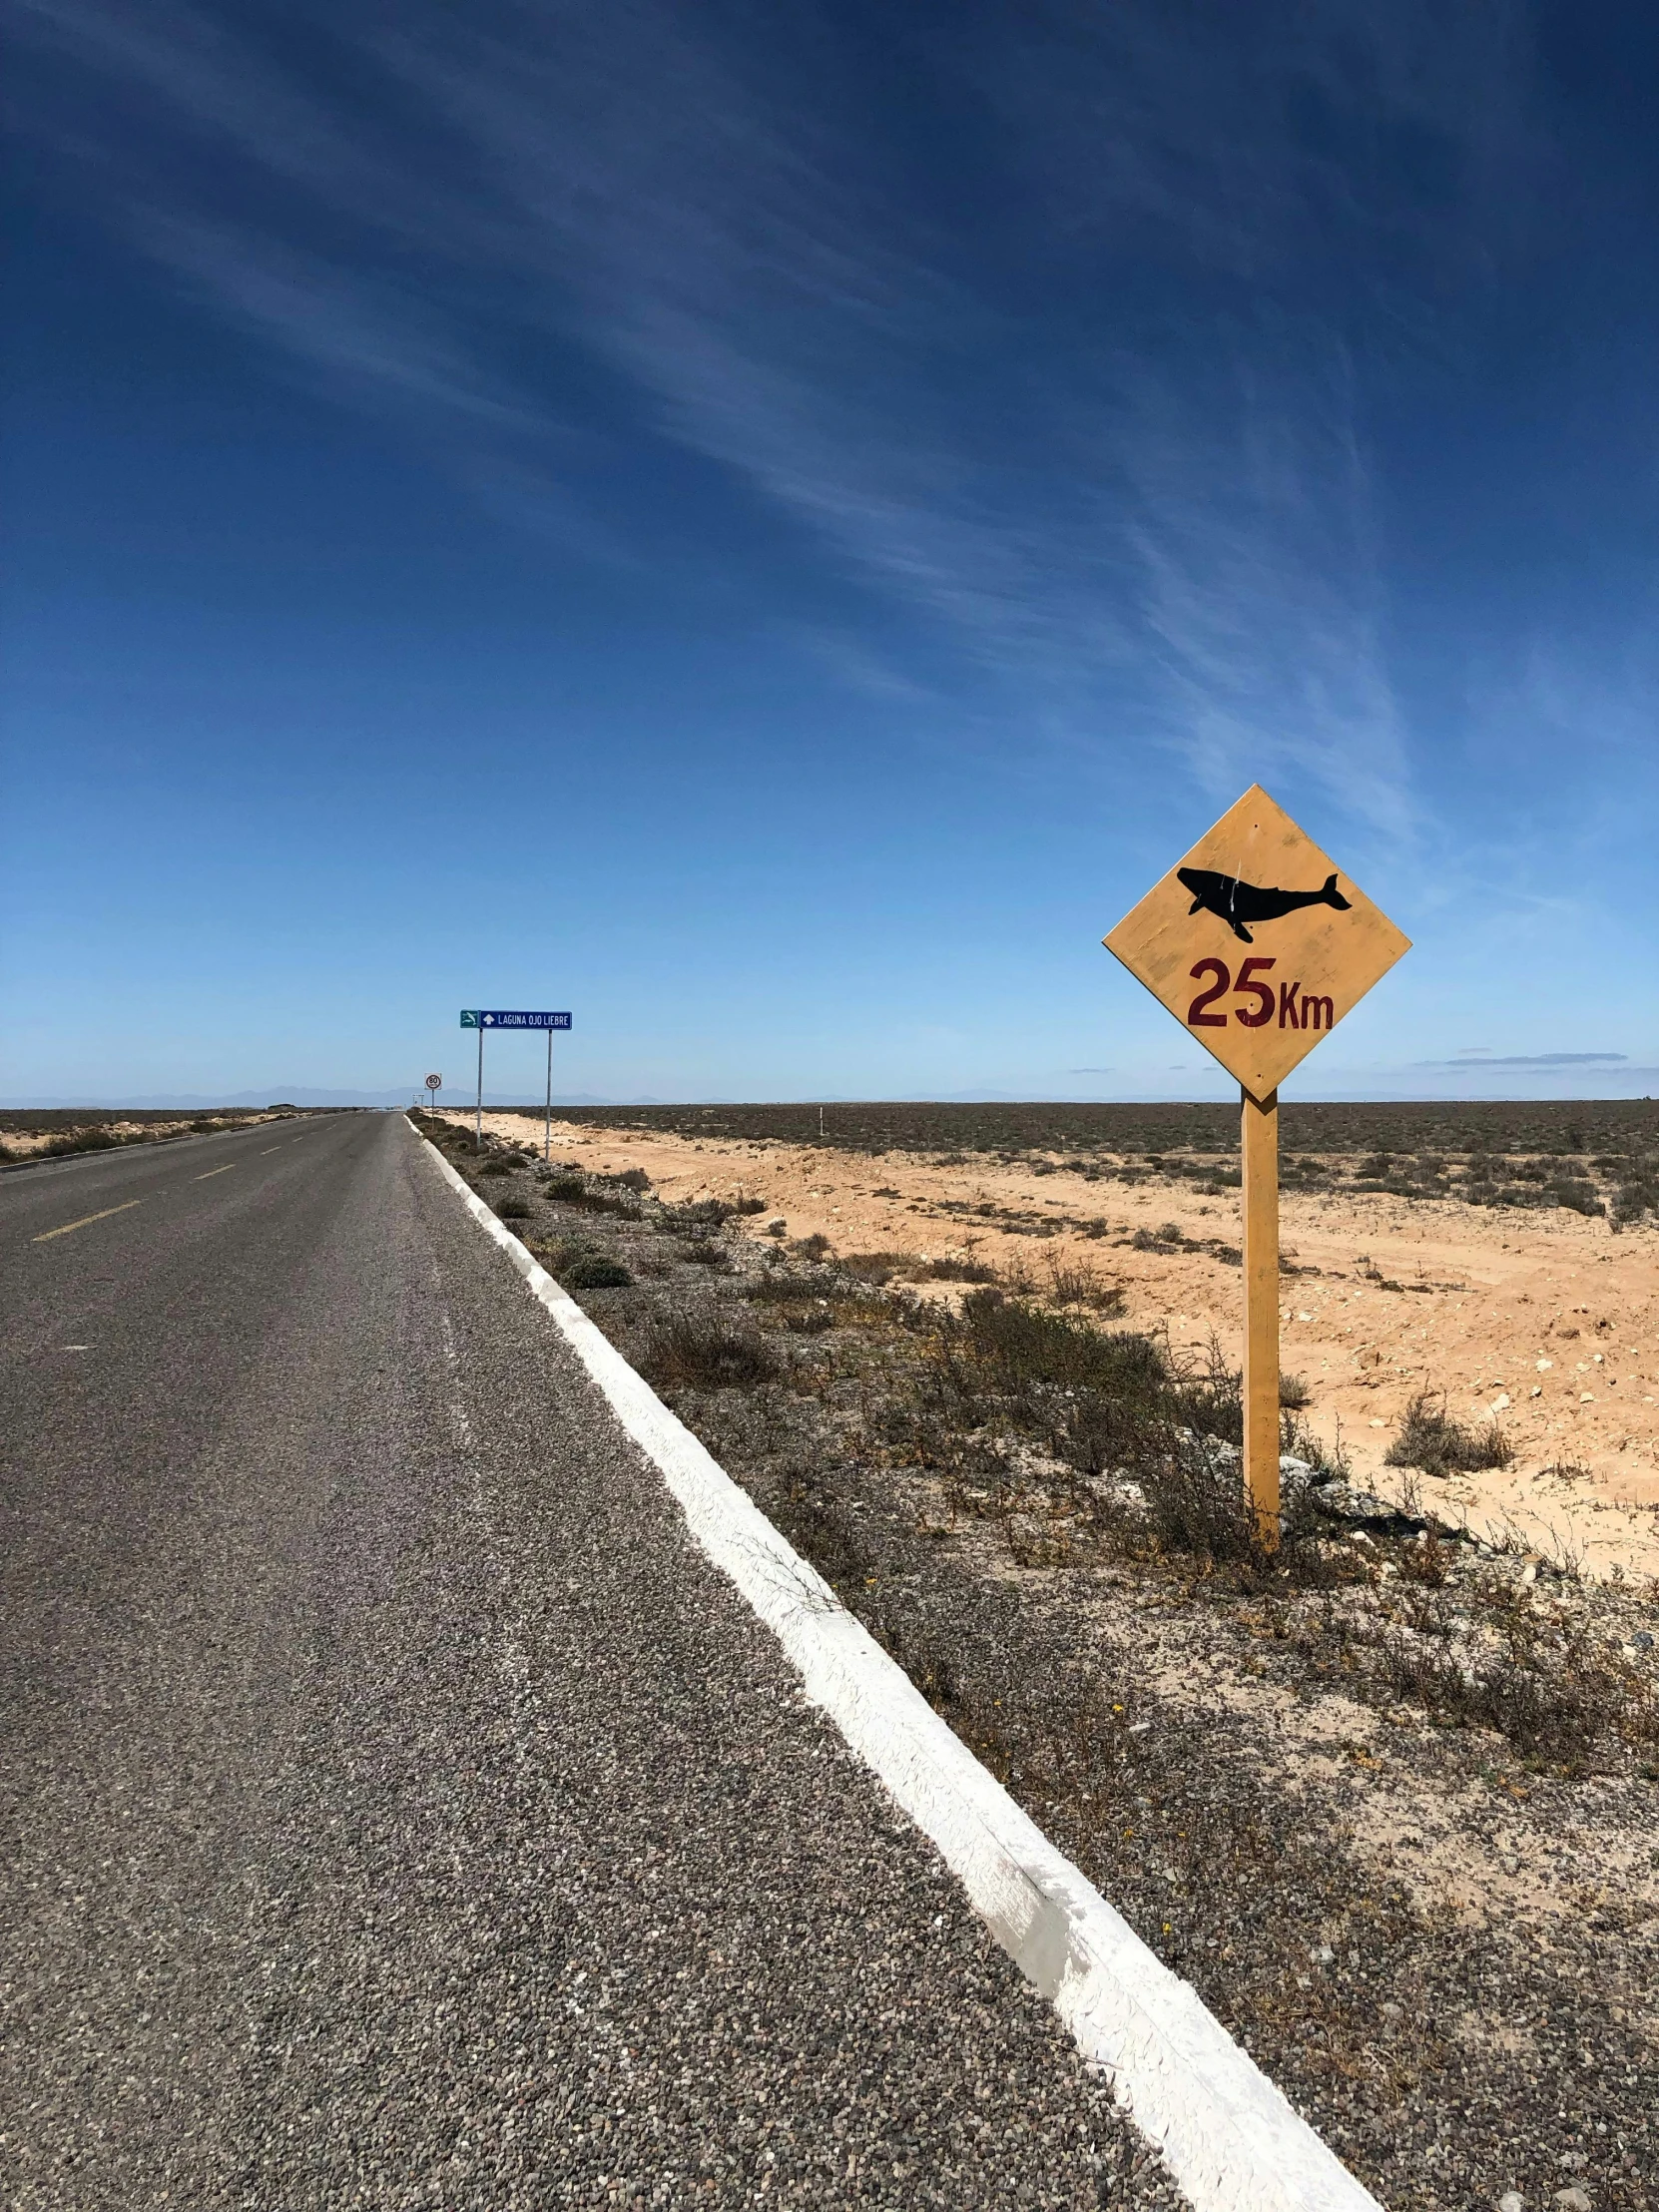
[482,1018]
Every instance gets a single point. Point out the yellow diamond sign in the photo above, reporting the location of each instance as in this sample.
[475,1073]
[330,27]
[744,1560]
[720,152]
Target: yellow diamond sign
[1256,943]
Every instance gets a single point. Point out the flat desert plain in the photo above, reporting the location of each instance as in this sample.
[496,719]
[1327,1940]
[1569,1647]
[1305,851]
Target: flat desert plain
[1547,1322]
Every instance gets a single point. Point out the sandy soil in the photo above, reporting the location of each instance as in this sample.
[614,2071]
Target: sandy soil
[23,1144]
[1548,1321]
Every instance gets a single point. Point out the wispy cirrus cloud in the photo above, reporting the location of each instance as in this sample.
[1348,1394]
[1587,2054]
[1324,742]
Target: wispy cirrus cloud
[1043,322]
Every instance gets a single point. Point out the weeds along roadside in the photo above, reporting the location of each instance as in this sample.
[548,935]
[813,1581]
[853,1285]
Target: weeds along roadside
[72,1134]
[1040,1515]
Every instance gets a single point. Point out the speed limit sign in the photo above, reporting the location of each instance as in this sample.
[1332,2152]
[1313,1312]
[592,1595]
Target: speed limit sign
[434,1083]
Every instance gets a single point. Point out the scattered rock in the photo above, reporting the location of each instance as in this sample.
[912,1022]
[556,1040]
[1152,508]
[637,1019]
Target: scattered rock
[1363,1509]
[1571,2200]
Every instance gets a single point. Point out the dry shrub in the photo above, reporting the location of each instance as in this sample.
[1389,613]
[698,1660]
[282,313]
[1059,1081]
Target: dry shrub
[1015,1345]
[706,1252]
[876,1267]
[699,1215]
[1197,1503]
[1546,1687]
[571,1189]
[1080,1283]
[908,1267]
[95,1140]
[687,1350]
[1430,1439]
[781,1286]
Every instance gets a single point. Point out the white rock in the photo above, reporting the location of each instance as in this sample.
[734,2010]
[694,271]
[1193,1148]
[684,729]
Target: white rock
[1512,2201]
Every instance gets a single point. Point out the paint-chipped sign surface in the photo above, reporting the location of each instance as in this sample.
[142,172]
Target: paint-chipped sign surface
[1256,943]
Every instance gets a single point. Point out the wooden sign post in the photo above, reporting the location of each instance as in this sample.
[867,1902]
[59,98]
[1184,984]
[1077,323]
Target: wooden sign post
[1258,947]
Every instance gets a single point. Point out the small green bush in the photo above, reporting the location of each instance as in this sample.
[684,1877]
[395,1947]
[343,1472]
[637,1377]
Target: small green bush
[592,1271]
[514,1209]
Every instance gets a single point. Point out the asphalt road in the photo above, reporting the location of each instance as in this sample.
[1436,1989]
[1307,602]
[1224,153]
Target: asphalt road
[398,1811]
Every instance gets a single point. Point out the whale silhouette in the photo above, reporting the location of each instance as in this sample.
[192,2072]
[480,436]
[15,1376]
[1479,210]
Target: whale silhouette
[1237,902]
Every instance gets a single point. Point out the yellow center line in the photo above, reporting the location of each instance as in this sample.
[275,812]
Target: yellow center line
[224,1170]
[47,1234]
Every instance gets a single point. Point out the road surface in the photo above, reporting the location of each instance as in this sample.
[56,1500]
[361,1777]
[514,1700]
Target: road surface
[399,1811]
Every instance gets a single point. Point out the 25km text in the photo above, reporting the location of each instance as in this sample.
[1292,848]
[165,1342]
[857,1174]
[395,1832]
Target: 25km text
[1310,1011]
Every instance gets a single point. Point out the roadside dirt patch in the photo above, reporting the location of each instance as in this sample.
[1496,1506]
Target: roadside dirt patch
[1548,1322]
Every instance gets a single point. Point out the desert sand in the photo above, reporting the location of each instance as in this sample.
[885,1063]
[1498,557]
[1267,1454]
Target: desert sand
[1548,1322]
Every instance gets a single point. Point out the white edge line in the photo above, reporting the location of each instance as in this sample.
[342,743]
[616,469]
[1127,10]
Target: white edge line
[1227,2133]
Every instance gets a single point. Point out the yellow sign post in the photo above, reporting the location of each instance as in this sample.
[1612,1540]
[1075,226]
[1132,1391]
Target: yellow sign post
[1258,947]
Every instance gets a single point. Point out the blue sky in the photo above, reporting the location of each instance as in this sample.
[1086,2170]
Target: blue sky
[770,527]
